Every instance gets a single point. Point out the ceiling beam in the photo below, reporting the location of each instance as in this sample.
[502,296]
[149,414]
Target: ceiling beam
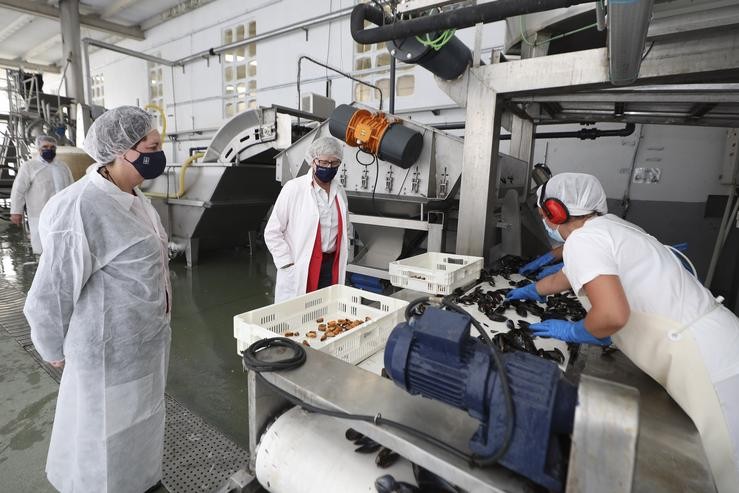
[91,21]
[53,69]
[15,26]
[117,6]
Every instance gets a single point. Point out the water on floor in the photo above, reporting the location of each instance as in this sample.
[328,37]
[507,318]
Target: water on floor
[205,372]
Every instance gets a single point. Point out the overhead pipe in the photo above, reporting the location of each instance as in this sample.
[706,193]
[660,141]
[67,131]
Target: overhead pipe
[628,23]
[584,134]
[453,19]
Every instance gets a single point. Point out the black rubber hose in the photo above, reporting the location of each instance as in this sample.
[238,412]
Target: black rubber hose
[252,362]
[504,385]
[452,19]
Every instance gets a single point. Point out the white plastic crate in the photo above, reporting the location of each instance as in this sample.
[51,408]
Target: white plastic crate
[435,273]
[335,302]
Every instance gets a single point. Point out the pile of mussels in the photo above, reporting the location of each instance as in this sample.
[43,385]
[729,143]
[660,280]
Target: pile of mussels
[493,304]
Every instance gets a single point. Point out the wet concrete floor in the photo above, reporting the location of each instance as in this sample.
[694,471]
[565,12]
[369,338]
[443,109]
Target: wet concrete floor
[205,372]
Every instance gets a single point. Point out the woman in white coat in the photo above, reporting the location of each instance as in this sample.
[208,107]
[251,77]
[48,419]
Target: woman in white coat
[36,182]
[655,311]
[100,306]
[307,232]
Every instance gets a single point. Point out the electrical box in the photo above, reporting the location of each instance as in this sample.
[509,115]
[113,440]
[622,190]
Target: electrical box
[318,105]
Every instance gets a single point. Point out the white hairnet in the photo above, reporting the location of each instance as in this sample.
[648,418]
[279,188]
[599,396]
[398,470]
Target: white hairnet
[44,139]
[581,193]
[324,146]
[116,131]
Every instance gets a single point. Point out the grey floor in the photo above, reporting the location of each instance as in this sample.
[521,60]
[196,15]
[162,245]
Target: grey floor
[205,373]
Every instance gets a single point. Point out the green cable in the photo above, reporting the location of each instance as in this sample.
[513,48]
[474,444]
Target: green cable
[440,40]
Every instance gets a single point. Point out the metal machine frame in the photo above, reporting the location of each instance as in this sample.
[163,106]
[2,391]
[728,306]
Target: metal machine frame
[699,68]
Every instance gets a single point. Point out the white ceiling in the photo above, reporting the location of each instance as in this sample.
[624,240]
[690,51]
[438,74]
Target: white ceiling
[38,40]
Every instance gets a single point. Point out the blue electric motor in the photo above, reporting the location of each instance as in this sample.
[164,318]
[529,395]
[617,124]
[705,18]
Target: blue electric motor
[435,356]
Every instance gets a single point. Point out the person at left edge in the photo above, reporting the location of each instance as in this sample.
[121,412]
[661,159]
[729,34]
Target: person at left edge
[307,230]
[99,305]
[38,179]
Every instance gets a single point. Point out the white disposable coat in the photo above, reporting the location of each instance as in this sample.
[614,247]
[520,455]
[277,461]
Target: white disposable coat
[677,333]
[100,302]
[290,235]
[36,182]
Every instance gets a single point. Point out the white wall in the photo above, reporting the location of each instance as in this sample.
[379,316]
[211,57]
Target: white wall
[690,157]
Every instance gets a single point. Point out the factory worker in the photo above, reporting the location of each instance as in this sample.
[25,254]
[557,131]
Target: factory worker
[36,182]
[307,230]
[653,309]
[100,307]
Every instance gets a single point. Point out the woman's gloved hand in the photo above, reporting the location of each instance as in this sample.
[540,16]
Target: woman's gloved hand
[549,270]
[568,332]
[527,292]
[537,264]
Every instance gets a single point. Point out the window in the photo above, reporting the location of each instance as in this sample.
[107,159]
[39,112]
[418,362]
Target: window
[372,62]
[239,70]
[156,88]
[98,90]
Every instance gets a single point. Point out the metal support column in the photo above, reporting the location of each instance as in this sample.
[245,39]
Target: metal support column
[69,17]
[476,227]
[522,146]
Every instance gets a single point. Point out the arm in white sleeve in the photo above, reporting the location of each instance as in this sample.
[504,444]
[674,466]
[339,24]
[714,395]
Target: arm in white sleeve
[274,232]
[18,192]
[63,270]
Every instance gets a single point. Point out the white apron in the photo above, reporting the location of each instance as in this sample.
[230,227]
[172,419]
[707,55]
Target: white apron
[687,361]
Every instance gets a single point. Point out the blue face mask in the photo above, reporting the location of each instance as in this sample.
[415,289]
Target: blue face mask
[48,155]
[325,174]
[150,164]
[553,233]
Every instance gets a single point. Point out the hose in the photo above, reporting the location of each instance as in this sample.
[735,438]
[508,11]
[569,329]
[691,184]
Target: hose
[181,188]
[451,19]
[153,106]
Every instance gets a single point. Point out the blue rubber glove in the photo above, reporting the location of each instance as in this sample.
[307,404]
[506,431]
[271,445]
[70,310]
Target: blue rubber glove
[549,270]
[537,264]
[568,332]
[527,292]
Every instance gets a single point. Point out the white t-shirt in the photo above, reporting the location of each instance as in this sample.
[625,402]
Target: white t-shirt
[328,216]
[653,279]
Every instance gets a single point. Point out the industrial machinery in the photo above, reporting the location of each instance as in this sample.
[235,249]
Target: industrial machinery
[436,357]
[402,181]
[218,201]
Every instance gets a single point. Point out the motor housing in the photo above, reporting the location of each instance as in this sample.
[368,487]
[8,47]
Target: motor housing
[435,356]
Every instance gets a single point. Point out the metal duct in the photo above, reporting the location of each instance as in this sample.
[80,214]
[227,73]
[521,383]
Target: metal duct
[628,23]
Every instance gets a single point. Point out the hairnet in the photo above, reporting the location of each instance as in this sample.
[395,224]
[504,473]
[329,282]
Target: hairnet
[581,193]
[44,139]
[324,146]
[116,131]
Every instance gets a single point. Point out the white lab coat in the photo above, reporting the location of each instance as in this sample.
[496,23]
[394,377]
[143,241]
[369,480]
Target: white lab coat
[35,183]
[677,333]
[290,235]
[99,301]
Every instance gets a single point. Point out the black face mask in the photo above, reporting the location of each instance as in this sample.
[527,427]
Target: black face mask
[48,154]
[149,164]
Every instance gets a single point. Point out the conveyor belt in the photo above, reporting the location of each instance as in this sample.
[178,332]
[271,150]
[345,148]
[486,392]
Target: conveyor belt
[197,457]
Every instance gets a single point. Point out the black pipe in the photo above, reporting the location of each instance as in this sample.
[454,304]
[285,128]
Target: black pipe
[452,19]
[391,98]
[584,134]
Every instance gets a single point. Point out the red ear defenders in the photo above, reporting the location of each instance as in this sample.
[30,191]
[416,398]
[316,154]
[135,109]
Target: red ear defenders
[554,209]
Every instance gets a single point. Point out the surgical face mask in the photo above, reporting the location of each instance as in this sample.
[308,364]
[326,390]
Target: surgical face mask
[150,164]
[325,174]
[553,233]
[48,155]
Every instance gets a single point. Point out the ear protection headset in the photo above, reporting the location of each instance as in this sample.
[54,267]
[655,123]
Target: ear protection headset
[554,209]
